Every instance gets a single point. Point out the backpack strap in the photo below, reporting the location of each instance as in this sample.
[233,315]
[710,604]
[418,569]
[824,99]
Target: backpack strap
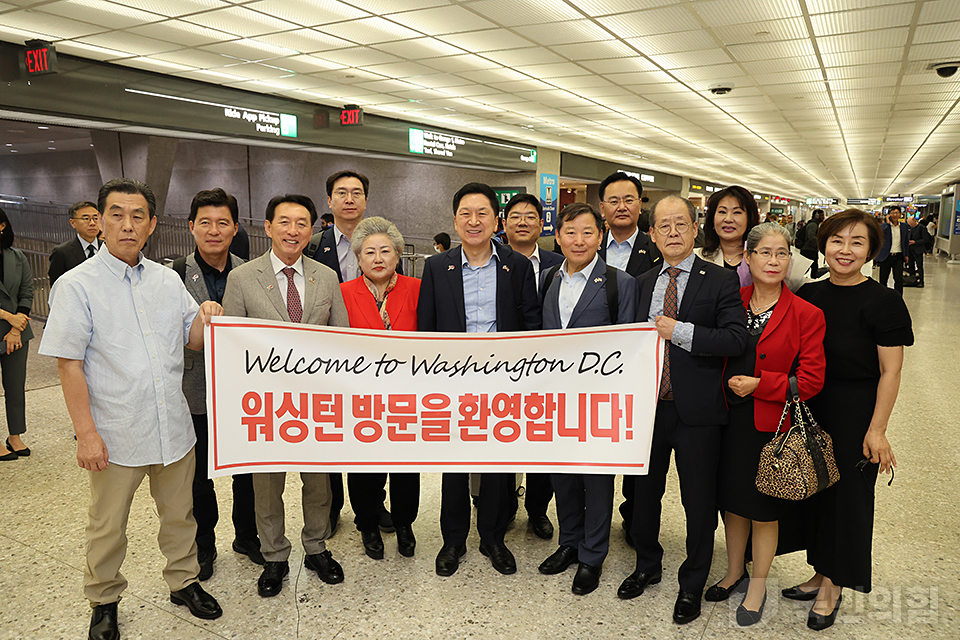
[313,245]
[180,266]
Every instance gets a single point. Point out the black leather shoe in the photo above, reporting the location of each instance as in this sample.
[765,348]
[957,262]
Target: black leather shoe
[326,567]
[386,520]
[716,593]
[448,560]
[559,561]
[745,617]
[103,622]
[201,604]
[818,622]
[636,582]
[271,580]
[542,526]
[586,580]
[796,593]
[687,608]
[206,557]
[21,453]
[406,541]
[251,549]
[372,544]
[501,558]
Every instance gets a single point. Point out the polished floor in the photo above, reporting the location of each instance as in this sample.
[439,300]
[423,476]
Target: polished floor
[916,548]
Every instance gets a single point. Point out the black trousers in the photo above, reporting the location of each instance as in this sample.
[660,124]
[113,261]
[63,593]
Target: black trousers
[584,511]
[697,451]
[205,509]
[915,266]
[894,262]
[493,507]
[539,490]
[367,493]
[13,369]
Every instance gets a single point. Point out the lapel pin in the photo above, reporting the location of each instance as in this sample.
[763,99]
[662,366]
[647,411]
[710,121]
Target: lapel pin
[506,268]
[642,251]
[196,277]
[269,287]
[325,249]
[598,279]
[312,280]
[451,267]
[703,273]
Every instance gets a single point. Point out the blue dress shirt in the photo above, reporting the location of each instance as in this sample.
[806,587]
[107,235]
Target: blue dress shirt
[683,331]
[480,294]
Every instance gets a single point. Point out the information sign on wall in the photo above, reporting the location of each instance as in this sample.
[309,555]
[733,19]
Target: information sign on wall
[549,194]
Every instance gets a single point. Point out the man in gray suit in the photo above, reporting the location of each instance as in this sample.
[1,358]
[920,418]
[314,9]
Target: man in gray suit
[214,221]
[284,286]
[85,219]
[583,292]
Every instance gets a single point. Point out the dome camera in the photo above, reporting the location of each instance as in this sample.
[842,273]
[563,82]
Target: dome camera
[724,89]
[945,69]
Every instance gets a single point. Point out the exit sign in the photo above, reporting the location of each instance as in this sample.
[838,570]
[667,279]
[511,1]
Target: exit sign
[40,58]
[351,116]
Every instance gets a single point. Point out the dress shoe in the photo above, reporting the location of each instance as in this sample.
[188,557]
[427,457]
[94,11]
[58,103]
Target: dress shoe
[587,579]
[206,557]
[796,593]
[687,608]
[818,622]
[21,453]
[501,558]
[271,580]
[636,582]
[326,567]
[251,549]
[7,457]
[745,617]
[406,541]
[103,622]
[542,527]
[201,604]
[716,593]
[448,560]
[559,561]
[386,520]
[372,544]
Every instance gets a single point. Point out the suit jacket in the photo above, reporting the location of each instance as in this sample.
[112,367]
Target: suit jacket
[712,303]
[440,307]
[591,309]
[886,247]
[326,253]
[922,240]
[194,369]
[644,254]
[401,304]
[65,257]
[252,292]
[16,288]
[793,335]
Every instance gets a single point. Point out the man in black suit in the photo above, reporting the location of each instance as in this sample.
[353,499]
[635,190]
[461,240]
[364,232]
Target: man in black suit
[524,222]
[624,246]
[894,250]
[920,241]
[477,287]
[696,308]
[85,219]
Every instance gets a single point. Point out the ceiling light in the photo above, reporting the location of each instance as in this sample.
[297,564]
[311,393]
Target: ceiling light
[43,127]
[52,148]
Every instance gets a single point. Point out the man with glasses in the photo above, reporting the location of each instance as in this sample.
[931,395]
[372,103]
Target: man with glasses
[624,247]
[85,219]
[697,310]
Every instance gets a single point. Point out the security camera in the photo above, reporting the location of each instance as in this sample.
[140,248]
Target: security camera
[945,69]
[723,89]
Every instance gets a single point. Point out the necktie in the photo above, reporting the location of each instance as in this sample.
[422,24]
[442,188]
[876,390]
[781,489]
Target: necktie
[91,251]
[669,310]
[294,308]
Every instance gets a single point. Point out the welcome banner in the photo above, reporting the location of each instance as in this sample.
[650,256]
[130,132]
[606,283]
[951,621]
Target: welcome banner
[293,397]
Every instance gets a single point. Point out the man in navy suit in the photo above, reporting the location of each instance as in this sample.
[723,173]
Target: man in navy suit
[697,309]
[624,245]
[85,219]
[477,287]
[524,223]
[894,250]
[578,294]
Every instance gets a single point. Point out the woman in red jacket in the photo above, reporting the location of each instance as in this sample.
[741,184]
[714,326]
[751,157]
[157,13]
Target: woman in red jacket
[382,299]
[785,339]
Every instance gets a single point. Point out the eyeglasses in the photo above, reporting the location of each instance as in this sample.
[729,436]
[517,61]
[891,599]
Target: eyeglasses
[766,254]
[530,218]
[86,219]
[628,201]
[665,228]
[356,194]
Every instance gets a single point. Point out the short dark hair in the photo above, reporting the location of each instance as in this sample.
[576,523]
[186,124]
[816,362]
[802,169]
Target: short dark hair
[128,186]
[293,198]
[364,180]
[643,222]
[849,218]
[711,240]
[575,210]
[76,206]
[620,176]
[214,198]
[524,198]
[6,236]
[817,216]
[482,189]
[443,239]
[890,210]
[327,217]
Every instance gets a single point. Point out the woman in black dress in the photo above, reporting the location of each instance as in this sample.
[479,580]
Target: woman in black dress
[785,338]
[867,327]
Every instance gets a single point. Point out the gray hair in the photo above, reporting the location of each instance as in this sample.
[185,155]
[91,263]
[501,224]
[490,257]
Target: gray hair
[692,210]
[761,231]
[374,226]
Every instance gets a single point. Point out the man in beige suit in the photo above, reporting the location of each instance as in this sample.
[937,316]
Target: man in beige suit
[282,285]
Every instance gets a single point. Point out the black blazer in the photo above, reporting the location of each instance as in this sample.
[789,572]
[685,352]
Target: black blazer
[440,307]
[644,256]
[326,253]
[712,302]
[591,309]
[65,257]
[549,259]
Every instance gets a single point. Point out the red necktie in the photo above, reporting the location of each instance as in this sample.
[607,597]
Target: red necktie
[294,307]
[670,311]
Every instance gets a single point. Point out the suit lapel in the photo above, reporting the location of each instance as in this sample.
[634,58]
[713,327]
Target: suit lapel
[9,277]
[505,293]
[697,274]
[551,300]
[268,281]
[646,294]
[595,282]
[779,312]
[453,273]
[328,252]
[76,248]
[311,293]
[194,281]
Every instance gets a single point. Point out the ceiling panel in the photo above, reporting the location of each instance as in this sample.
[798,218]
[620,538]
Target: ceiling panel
[721,13]
[564,32]
[307,13]
[651,23]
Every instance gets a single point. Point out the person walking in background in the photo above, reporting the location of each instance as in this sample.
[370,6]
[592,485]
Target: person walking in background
[920,243]
[807,241]
[894,252]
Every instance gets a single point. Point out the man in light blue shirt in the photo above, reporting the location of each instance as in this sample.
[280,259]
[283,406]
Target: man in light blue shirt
[118,324]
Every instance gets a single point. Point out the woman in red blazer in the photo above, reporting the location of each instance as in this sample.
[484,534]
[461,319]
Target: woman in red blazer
[785,338]
[382,299]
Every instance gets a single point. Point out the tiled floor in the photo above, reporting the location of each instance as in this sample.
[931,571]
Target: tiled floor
[916,558]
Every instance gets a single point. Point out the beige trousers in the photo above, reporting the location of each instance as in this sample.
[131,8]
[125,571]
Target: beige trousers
[268,498]
[111,494]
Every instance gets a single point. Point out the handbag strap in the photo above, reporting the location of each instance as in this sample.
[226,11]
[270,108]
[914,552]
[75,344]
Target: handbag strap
[794,390]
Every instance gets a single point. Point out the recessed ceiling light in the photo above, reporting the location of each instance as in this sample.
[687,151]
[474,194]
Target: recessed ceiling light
[43,127]
[13,150]
[9,144]
[763,33]
[52,148]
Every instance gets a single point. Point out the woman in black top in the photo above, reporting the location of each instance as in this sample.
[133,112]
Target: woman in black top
[867,327]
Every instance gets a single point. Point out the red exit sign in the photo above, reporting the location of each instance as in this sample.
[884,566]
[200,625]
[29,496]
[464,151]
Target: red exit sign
[351,116]
[40,58]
